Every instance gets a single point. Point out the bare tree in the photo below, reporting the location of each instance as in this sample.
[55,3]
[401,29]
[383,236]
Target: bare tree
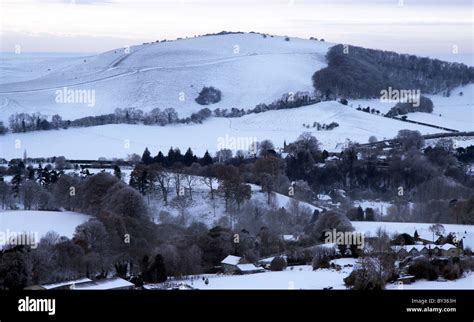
[437,229]
[181,204]
[29,192]
[190,181]
[162,177]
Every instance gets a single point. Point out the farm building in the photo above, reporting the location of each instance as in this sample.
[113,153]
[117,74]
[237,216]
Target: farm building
[115,283]
[64,285]
[238,265]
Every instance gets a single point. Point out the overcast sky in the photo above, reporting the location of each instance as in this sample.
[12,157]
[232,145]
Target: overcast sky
[414,26]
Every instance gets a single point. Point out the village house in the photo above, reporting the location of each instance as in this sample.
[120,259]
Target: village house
[64,285]
[265,262]
[446,250]
[449,250]
[238,265]
[115,283]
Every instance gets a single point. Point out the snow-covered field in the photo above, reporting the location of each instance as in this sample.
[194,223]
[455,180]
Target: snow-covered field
[297,278]
[27,66]
[120,140]
[247,68]
[38,223]
[303,277]
[370,227]
[454,112]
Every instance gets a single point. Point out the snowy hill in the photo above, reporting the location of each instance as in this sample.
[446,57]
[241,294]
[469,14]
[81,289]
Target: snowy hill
[248,68]
[38,223]
[454,112]
[280,125]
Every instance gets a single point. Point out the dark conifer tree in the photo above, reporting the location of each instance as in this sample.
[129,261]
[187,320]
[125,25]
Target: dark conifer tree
[171,157]
[360,214]
[146,157]
[206,159]
[117,172]
[189,157]
[160,158]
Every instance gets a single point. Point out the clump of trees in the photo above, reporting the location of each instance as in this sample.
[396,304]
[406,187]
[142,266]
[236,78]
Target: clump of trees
[322,127]
[425,105]
[209,95]
[24,122]
[278,264]
[3,129]
[356,72]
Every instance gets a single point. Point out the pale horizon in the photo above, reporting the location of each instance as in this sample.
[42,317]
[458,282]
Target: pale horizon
[424,28]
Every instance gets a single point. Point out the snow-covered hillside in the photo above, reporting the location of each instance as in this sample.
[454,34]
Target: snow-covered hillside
[209,211]
[38,223]
[19,67]
[455,112]
[247,68]
[118,141]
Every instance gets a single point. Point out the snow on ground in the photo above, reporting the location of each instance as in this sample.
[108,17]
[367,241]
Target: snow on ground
[464,283]
[120,140]
[27,66]
[247,68]
[38,223]
[462,231]
[204,209]
[300,277]
[454,112]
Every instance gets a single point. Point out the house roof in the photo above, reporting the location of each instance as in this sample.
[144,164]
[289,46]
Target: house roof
[65,283]
[324,197]
[419,248]
[448,246]
[107,284]
[268,260]
[231,260]
[248,267]
[289,238]
[409,248]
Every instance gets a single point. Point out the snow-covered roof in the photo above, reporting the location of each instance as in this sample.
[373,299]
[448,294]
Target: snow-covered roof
[324,197]
[290,238]
[419,248]
[448,246]
[248,267]
[65,283]
[332,158]
[231,260]
[328,245]
[409,248]
[108,284]
[268,260]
